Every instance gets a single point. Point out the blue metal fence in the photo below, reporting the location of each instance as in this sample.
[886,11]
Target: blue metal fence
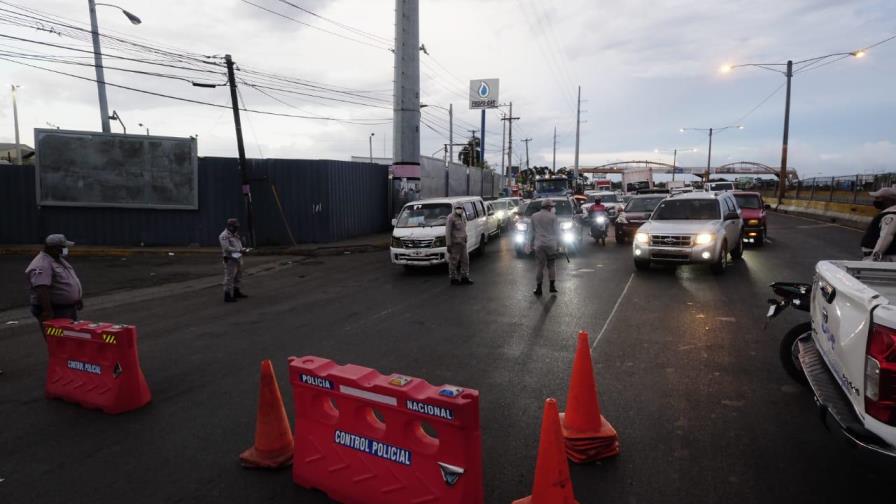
[322,201]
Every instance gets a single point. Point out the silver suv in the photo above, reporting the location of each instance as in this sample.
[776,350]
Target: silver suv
[699,227]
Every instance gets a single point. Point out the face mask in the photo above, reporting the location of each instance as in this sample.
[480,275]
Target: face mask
[233,229]
[64,251]
[459,211]
[553,210]
[880,205]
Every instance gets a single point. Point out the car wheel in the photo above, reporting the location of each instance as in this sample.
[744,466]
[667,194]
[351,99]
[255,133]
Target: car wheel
[789,352]
[738,252]
[721,263]
[483,240]
[642,265]
[760,239]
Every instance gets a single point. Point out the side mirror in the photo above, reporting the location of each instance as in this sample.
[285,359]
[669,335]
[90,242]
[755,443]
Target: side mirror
[767,206]
[394,222]
[732,216]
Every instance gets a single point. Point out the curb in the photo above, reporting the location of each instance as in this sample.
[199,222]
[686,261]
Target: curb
[30,250]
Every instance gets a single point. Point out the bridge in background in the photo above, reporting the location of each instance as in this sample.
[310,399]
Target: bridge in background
[738,168]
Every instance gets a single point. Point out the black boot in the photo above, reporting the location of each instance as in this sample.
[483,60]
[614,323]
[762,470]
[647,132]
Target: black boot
[466,281]
[238,294]
[537,290]
[228,298]
[455,281]
[553,289]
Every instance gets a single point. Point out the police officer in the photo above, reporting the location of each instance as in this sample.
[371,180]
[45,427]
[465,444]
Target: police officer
[878,244]
[55,290]
[232,250]
[456,242]
[544,241]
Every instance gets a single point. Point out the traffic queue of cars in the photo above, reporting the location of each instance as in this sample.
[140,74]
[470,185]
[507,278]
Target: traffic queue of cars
[680,228]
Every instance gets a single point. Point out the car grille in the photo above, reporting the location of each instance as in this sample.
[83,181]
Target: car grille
[669,256]
[670,240]
[416,244]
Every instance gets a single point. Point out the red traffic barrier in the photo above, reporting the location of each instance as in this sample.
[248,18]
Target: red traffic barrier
[95,365]
[367,438]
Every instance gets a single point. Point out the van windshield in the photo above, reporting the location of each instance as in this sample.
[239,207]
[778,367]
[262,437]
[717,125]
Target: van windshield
[423,215]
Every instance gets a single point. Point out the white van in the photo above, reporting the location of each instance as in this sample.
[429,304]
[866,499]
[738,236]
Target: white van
[418,237]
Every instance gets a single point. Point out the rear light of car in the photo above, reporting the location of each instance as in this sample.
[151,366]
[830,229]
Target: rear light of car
[880,374]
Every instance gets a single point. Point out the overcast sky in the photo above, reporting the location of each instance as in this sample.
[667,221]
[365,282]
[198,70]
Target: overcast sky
[647,68]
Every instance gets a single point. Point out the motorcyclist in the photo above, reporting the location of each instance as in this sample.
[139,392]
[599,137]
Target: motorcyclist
[598,206]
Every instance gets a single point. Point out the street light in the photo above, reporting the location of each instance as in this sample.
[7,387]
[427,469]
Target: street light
[144,126]
[370,142]
[15,117]
[674,156]
[788,73]
[98,59]
[709,151]
[450,110]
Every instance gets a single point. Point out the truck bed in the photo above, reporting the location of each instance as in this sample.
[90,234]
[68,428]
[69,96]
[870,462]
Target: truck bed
[878,276]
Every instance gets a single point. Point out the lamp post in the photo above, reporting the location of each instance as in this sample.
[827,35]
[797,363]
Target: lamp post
[98,59]
[788,73]
[15,118]
[709,150]
[144,126]
[370,143]
[674,157]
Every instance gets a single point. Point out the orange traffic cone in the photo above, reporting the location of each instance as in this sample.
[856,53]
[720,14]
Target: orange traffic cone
[273,438]
[589,436]
[552,484]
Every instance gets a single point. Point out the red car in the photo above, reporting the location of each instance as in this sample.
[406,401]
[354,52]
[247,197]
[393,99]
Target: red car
[753,209]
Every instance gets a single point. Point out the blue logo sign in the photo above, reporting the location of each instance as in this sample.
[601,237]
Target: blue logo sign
[484,90]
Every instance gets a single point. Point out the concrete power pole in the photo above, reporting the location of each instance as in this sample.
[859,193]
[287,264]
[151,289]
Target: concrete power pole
[503,145]
[510,120]
[554,161]
[526,141]
[578,123]
[15,118]
[406,106]
[241,150]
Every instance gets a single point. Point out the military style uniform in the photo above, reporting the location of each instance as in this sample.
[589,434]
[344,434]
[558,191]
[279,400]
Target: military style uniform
[545,229]
[456,241]
[878,243]
[232,253]
[59,276]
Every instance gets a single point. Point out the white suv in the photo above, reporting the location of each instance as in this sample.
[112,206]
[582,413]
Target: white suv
[699,227]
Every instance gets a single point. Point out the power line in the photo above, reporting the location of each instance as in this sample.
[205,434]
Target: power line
[188,100]
[357,31]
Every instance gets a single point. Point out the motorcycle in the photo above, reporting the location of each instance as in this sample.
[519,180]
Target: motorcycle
[799,296]
[599,224]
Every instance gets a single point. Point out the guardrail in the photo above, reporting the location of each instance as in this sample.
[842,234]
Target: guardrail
[844,189]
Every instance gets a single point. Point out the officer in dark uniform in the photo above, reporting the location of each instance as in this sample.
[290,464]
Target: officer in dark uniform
[879,244]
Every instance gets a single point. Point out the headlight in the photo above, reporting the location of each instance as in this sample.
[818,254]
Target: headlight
[601,219]
[521,226]
[566,225]
[704,238]
[396,243]
[753,222]
[641,237]
[568,237]
[439,241]
[499,214]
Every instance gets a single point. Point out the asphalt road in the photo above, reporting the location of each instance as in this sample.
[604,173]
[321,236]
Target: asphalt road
[687,376]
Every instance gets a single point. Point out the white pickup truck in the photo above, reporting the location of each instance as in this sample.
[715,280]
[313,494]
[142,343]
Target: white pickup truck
[850,358]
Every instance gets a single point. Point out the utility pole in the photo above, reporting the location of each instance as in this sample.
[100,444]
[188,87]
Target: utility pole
[503,146]
[782,183]
[241,150]
[473,148]
[527,140]
[370,142]
[578,123]
[554,160]
[450,134]
[510,120]
[674,159]
[98,63]
[482,141]
[406,106]
[708,158]
[15,117]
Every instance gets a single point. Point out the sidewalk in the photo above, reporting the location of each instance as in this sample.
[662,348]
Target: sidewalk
[366,243]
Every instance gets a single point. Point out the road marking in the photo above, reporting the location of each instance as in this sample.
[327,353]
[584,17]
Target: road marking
[816,220]
[813,226]
[615,307]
